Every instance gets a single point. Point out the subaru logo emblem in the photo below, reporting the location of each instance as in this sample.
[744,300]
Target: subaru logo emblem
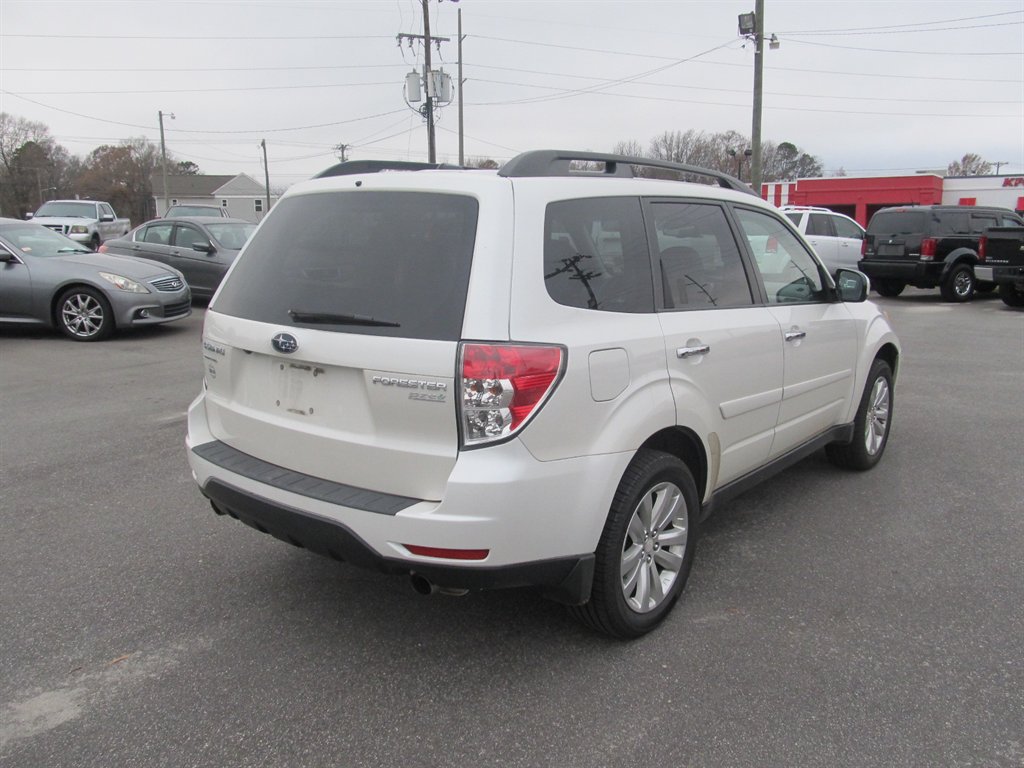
[284,343]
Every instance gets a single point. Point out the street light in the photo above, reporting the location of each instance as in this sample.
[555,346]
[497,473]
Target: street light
[163,153]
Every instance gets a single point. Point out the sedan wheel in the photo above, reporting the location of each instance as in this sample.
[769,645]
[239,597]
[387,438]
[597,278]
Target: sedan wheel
[84,314]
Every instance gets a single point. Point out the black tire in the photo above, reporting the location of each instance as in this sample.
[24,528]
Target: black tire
[95,242]
[83,314]
[871,425]
[1010,295]
[889,288]
[959,284]
[657,486]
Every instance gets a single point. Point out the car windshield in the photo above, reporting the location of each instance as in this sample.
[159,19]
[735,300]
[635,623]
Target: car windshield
[72,209]
[39,241]
[192,210]
[231,235]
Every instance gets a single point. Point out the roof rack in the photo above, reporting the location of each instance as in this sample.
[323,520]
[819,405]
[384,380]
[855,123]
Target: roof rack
[376,166]
[554,162]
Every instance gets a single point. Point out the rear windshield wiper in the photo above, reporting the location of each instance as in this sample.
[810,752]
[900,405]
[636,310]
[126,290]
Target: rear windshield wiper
[327,318]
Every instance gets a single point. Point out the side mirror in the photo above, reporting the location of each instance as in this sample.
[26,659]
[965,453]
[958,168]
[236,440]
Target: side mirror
[106,217]
[29,216]
[853,286]
[203,247]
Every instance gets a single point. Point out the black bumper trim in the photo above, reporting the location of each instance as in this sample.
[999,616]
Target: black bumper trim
[566,580]
[351,496]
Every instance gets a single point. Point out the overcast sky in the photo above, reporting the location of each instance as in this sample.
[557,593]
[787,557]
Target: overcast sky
[869,86]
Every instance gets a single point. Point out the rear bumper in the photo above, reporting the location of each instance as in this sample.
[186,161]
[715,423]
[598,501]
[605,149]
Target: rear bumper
[1000,274]
[540,522]
[566,579]
[922,274]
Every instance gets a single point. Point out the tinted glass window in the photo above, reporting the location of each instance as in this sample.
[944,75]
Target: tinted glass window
[788,271]
[699,260]
[156,233]
[1010,221]
[980,223]
[898,223]
[795,218]
[951,223]
[184,237]
[847,228]
[820,224]
[595,255]
[360,261]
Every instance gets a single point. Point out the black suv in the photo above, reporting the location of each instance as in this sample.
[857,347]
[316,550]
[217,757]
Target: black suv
[928,246]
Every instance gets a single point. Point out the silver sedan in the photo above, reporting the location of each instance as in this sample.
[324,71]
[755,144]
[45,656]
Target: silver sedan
[48,279]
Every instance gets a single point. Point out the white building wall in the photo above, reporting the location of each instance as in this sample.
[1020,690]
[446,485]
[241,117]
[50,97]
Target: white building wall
[1002,191]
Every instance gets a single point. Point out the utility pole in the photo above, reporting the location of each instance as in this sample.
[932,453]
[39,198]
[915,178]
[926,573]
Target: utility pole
[341,150]
[266,173]
[428,79]
[428,84]
[997,163]
[462,158]
[755,130]
[163,155]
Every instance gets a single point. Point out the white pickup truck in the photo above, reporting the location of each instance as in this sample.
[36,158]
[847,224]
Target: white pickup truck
[88,221]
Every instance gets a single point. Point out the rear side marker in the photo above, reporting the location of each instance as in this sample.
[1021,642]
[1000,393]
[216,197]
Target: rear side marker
[448,554]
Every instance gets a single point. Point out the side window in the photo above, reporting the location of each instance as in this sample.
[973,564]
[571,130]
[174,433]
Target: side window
[595,255]
[257,205]
[951,223]
[1010,221]
[157,233]
[698,258]
[185,236]
[980,223]
[820,224]
[795,218]
[106,210]
[789,272]
[847,228]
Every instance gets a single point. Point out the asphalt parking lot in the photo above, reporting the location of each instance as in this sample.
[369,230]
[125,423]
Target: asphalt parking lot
[832,618]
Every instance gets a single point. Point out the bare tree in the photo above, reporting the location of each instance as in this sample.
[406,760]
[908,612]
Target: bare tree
[482,162]
[33,167]
[969,165]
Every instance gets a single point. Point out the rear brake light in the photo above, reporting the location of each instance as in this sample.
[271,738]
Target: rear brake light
[864,246]
[503,385]
[928,245]
[982,247]
[102,248]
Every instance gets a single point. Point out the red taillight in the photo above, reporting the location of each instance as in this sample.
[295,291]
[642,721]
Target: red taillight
[864,247]
[771,245]
[102,248]
[448,554]
[982,247]
[928,248]
[502,386]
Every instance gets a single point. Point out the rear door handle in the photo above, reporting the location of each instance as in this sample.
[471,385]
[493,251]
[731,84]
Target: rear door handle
[684,352]
[795,335]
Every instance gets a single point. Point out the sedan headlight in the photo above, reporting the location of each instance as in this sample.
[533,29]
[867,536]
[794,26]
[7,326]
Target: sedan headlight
[123,283]
[79,229]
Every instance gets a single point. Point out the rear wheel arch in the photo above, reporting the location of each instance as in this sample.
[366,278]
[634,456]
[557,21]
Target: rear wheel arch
[684,444]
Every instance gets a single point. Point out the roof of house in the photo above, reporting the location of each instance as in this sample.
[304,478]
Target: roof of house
[205,185]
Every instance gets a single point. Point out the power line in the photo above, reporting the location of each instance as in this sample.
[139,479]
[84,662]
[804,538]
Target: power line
[911,53]
[901,31]
[195,38]
[187,130]
[898,26]
[206,90]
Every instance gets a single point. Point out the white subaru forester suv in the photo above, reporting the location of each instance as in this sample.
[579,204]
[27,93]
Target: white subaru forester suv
[538,376]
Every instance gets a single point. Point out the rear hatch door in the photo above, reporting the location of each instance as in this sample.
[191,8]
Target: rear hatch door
[331,346]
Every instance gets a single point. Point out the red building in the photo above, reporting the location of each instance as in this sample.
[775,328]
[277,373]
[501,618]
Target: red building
[860,197]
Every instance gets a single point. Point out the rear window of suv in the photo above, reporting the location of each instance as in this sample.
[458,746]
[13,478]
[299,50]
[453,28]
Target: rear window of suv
[898,223]
[361,261]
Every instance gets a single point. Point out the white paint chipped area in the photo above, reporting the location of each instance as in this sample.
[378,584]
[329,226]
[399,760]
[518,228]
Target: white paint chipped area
[39,711]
